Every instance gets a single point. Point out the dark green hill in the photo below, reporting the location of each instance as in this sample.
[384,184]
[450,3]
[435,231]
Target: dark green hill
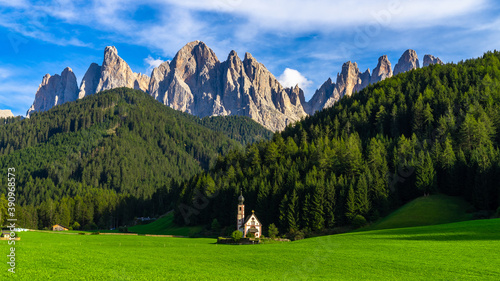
[428,210]
[99,159]
[434,129]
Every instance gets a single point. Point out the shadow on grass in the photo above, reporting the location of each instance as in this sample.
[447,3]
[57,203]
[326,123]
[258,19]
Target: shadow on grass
[481,230]
[472,236]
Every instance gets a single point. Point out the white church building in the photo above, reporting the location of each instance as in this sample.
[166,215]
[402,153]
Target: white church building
[249,225]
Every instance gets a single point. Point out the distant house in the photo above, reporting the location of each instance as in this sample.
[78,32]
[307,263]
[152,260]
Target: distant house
[249,225]
[58,227]
[20,229]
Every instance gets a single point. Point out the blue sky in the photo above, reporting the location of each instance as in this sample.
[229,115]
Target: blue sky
[298,41]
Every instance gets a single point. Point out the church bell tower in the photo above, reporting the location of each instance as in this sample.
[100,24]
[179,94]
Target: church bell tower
[241,212]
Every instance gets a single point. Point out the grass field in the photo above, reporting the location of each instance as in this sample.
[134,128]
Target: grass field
[165,226]
[429,210]
[459,251]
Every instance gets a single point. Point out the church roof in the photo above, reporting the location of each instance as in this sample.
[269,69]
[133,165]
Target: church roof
[250,216]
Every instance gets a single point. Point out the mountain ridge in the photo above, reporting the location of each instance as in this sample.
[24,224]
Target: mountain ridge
[197,82]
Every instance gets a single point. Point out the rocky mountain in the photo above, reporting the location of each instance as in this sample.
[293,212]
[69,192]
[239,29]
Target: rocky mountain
[326,92]
[430,59]
[114,73]
[6,113]
[351,80]
[195,81]
[382,71]
[55,90]
[407,62]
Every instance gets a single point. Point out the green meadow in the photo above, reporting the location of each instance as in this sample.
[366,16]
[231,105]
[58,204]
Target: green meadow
[165,226]
[457,251]
[428,210]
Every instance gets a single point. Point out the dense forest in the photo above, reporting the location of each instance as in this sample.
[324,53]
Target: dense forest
[434,129]
[239,128]
[99,160]
[119,154]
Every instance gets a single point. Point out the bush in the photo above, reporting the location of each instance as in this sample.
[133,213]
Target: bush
[358,221]
[123,229]
[250,235]
[299,235]
[273,231]
[76,225]
[295,235]
[236,235]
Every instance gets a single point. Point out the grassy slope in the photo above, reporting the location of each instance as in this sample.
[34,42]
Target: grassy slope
[165,226]
[458,251]
[430,210]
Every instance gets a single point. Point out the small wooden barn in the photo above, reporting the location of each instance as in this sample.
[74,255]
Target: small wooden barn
[58,227]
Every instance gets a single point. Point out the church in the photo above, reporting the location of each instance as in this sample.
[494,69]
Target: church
[249,225]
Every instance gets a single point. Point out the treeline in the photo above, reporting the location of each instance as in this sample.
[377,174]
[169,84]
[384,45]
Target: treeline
[434,129]
[99,160]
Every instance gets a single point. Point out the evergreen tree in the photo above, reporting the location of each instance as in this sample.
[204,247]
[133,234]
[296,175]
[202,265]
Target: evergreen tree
[426,175]
[351,208]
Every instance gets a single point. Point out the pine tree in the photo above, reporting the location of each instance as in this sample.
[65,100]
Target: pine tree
[425,173]
[283,217]
[318,220]
[330,200]
[351,209]
[306,218]
[362,200]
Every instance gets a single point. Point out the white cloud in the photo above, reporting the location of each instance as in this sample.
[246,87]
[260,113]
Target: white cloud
[291,77]
[299,15]
[13,3]
[179,23]
[152,63]
[4,73]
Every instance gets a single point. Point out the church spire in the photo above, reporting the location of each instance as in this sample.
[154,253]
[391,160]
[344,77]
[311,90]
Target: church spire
[241,212]
[241,199]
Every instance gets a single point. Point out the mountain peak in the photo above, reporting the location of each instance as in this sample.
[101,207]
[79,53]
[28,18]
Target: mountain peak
[55,90]
[382,71]
[408,61]
[249,56]
[113,73]
[189,47]
[430,59]
[193,55]
[5,113]
[232,54]
[67,70]
[110,50]
[110,56]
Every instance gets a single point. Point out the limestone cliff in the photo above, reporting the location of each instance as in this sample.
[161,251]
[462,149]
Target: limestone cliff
[430,59]
[408,61]
[55,90]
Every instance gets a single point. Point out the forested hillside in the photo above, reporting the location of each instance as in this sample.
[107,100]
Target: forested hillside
[100,159]
[239,128]
[434,129]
